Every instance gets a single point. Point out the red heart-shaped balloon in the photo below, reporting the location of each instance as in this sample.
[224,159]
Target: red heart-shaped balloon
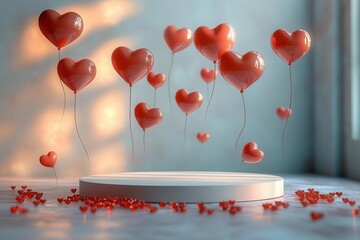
[251,153]
[241,71]
[177,39]
[212,43]
[208,75]
[132,65]
[283,113]
[48,160]
[59,29]
[290,46]
[203,137]
[156,80]
[188,102]
[147,117]
[76,75]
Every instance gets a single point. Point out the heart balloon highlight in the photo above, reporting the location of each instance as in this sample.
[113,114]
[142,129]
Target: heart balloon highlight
[59,29]
[283,113]
[212,43]
[241,71]
[208,75]
[251,153]
[188,102]
[147,117]
[203,137]
[76,75]
[156,80]
[132,65]
[177,39]
[48,160]
[290,46]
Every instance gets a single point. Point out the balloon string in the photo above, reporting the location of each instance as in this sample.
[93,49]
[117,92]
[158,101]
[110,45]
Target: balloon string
[212,93]
[169,76]
[183,153]
[144,146]
[77,131]
[131,133]
[155,98]
[55,176]
[287,118]
[207,91]
[243,127]
[64,94]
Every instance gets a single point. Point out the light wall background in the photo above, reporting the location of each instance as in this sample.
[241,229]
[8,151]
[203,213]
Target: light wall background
[31,96]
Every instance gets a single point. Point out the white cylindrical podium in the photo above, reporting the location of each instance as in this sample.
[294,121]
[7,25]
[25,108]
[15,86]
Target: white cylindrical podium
[188,187]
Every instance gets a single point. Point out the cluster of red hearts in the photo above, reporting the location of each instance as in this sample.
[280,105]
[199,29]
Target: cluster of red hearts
[241,71]
[93,204]
[313,197]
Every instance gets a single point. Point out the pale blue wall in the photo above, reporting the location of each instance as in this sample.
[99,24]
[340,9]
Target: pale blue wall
[24,94]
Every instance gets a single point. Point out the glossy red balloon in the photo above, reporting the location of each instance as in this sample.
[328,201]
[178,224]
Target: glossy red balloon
[48,160]
[283,113]
[76,75]
[188,102]
[290,46]
[156,80]
[177,39]
[203,137]
[132,65]
[208,75]
[147,117]
[241,71]
[59,29]
[251,153]
[212,43]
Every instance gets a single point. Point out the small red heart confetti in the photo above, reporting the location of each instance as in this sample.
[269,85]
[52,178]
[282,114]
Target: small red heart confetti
[352,203]
[23,210]
[24,187]
[267,206]
[200,204]
[93,210]
[162,204]
[316,216]
[83,209]
[232,211]
[60,200]
[339,194]
[210,211]
[274,208]
[67,201]
[42,201]
[36,203]
[278,203]
[285,205]
[73,190]
[153,209]
[38,196]
[14,209]
[355,212]
[20,199]
[13,187]
[304,203]
[231,202]
[202,210]
[345,200]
